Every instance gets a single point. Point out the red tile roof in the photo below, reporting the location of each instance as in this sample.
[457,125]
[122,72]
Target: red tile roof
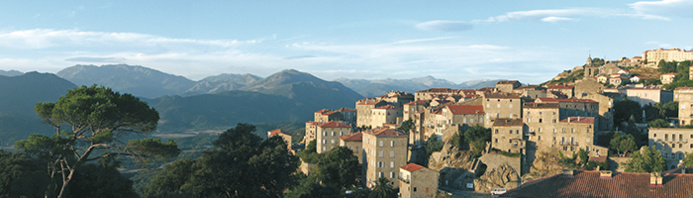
[502,95]
[277,131]
[534,105]
[322,111]
[358,136]
[419,102]
[389,107]
[590,184]
[368,101]
[507,122]
[580,120]
[599,159]
[411,167]
[507,82]
[465,109]
[334,124]
[560,86]
[344,109]
[385,132]
[566,100]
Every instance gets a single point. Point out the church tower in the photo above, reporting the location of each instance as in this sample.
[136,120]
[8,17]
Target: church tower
[590,69]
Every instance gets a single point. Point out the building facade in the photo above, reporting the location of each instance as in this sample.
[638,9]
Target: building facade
[328,135]
[672,143]
[385,151]
[417,181]
[684,95]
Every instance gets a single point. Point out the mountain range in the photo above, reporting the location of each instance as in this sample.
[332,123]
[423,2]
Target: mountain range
[18,95]
[372,88]
[216,102]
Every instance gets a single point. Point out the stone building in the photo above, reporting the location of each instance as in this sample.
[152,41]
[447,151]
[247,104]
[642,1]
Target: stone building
[568,90]
[674,54]
[387,114]
[417,181]
[354,142]
[574,107]
[396,98]
[672,143]
[364,109]
[667,78]
[684,95]
[649,95]
[311,132]
[328,135]
[385,151]
[508,135]
[501,105]
[507,86]
[345,115]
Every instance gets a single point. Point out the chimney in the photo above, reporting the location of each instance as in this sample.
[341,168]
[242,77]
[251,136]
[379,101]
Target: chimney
[605,174]
[568,172]
[656,179]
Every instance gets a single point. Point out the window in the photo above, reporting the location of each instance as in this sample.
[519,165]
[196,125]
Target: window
[392,165]
[496,140]
[324,141]
[414,189]
[540,120]
[554,120]
[332,141]
[510,131]
[381,154]
[539,138]
[333,134]
[392,144]
[381,174]
[392,153]
[392,174]
[496,131]
[381,164]
[324,149]
[381,143]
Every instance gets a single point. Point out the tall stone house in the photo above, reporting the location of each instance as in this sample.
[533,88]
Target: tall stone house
[684,95]
[328,135]
[385,151]
[672,143]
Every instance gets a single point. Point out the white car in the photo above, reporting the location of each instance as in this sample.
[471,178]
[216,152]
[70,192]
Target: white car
[498,191]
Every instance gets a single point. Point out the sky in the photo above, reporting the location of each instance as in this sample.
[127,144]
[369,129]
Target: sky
[459,41]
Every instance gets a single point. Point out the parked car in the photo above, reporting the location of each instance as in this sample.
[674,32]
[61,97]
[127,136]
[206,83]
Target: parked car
[498,191]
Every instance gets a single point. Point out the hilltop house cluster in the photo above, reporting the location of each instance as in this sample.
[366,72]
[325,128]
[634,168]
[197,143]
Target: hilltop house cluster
[524,119]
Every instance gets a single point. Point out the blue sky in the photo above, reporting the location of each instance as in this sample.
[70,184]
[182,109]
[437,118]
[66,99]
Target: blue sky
[530,41]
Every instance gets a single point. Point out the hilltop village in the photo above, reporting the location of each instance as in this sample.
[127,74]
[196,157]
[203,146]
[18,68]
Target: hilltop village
[516,137]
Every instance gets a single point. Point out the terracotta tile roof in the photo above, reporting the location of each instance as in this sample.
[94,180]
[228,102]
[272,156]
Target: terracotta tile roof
[344,109]
[683,88]
[590,184]
[507,122]
[357,137]
[599,159]
[465,109]
[436,90]
[507,82]
[579,120]
[385,132]
[334,124]
[533,105]
[389,107]
[486,89]
[411,167]
[277,131]
[419,102]
[368,101]
[566,100]
[560,86]
[322,111]
[502,95]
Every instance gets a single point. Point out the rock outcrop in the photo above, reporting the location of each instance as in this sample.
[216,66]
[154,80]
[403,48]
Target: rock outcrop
[504,176]
[456,167]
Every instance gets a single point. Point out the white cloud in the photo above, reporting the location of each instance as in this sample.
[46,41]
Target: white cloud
[556,19]
[440,25]
[537,15]
[663,8]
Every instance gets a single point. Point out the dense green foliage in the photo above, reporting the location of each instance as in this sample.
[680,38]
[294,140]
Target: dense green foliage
[310,154]
[623,144]
[477,137]
[625,109]
[383,189]
[240,164]
[98,118]
[658,123]
[647,160]
[339,168]
[688,160]
[407,126]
